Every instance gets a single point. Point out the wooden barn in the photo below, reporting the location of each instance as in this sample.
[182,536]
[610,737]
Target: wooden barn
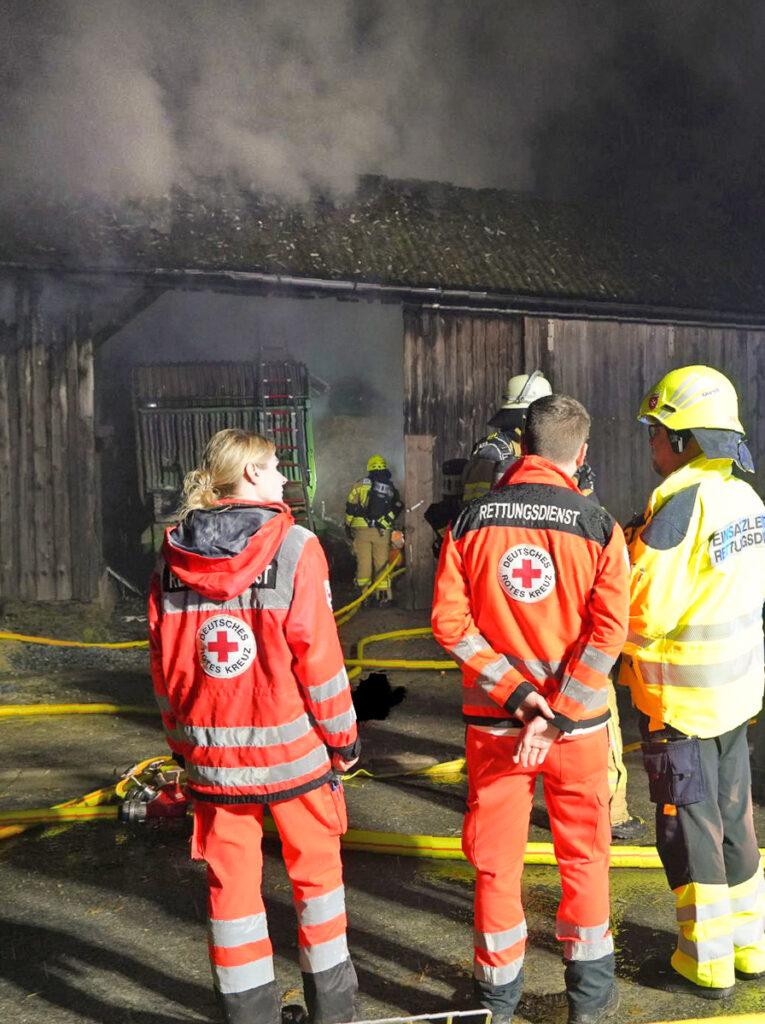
[475,285]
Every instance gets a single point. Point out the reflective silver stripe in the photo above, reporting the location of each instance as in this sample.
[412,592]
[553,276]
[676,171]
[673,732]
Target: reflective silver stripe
[333,686]
[174,734]
[237,932]
[266,775]
[497,942]
[583,694]
[492,673]
[467,647]
[245,977]
[597,660]
[498,975]
[585,951]
[703,911]
[163,703]
[534,668]
[244,736]
[475,697]
[748,933]
[319,909]
[501,726]
[638,640]
[566,930]
[716,630]
[709,949]
[656,673]
[749,902]
[340,723]
[321,957]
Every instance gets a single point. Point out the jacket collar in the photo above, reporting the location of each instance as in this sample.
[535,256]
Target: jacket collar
[533,469]
[692,473]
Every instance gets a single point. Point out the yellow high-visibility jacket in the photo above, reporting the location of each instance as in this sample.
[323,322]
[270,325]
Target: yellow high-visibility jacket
[694,654]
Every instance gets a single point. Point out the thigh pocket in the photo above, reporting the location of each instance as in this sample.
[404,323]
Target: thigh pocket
[674,771]
[337,812]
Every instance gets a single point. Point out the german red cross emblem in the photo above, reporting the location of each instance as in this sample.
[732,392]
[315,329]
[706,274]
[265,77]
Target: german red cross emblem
[225,646]
[526,573]
[653,401]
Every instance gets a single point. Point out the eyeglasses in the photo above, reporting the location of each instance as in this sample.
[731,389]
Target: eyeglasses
[653,429]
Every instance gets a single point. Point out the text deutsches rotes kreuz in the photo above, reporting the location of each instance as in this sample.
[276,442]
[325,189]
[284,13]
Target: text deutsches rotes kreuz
[225,646]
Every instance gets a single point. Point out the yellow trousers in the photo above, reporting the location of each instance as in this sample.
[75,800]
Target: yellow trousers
[371,549]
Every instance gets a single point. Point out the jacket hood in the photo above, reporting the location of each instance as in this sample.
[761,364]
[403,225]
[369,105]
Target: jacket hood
[532,469]
[220,551]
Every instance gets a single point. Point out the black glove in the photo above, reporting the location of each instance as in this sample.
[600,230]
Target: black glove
[348,531]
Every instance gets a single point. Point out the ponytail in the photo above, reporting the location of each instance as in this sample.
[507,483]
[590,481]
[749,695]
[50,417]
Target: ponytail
[221,469]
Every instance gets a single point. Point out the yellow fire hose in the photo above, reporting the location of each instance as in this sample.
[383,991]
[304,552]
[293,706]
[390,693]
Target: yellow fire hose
[401,844]
[342,615]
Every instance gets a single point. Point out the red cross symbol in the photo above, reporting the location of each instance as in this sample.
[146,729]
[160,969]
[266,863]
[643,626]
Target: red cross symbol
[222,647]
[527,573]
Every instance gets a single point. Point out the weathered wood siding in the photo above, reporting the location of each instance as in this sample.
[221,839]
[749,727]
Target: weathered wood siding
[455,369]
[50,522]
[609,366]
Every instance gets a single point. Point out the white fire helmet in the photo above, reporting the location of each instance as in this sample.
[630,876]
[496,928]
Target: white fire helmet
[525,388]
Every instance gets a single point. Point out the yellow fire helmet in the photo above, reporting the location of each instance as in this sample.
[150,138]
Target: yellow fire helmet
[376,462]
[692,396]
[703,401]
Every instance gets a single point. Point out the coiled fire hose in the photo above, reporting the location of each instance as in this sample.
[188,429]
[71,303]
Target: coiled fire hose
[142,786]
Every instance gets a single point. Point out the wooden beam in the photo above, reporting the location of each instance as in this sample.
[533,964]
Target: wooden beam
[420,563]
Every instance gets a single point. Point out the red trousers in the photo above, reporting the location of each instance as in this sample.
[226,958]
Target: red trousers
[575,777]
[228,837]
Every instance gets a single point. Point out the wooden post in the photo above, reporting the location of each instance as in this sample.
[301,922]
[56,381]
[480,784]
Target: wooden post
[59,468]
[420,564]
[42,478]
[7,576]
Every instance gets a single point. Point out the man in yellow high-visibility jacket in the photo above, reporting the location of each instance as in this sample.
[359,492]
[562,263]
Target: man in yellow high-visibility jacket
[694,663]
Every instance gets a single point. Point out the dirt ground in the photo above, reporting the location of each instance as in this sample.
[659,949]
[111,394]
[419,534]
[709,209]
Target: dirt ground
[104,922]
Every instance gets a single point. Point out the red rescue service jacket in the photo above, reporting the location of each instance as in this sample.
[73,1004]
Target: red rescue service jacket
[532,592]
[246,662]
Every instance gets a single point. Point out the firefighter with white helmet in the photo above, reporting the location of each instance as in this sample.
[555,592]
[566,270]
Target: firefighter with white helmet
[492,454]
[372,506]
[694,664]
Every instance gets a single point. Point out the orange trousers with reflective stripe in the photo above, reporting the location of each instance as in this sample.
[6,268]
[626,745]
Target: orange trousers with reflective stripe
[228,837]
[495,832]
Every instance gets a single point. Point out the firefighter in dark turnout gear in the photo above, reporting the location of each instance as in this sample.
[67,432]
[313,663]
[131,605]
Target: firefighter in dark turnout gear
[493,454]
[249,676]
[370,511]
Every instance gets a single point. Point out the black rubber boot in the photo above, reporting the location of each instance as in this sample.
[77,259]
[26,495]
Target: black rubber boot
[591,990]
[330,995]
[502,1000]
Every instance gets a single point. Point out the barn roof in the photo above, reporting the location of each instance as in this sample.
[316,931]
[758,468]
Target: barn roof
[407,234]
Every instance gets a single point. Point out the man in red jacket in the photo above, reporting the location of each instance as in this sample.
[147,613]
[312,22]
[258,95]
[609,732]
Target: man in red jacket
[250,679]
[531,598]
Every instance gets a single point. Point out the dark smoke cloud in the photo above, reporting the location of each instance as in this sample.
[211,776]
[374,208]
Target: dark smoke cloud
[128,97]
[652,104]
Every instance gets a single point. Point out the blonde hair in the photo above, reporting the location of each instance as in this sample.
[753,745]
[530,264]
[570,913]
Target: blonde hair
[221,468]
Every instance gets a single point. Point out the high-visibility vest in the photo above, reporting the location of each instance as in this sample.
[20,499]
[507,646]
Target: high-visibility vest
[694,654]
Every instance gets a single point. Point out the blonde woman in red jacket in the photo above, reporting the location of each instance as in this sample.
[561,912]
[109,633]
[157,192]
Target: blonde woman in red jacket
[249,676]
